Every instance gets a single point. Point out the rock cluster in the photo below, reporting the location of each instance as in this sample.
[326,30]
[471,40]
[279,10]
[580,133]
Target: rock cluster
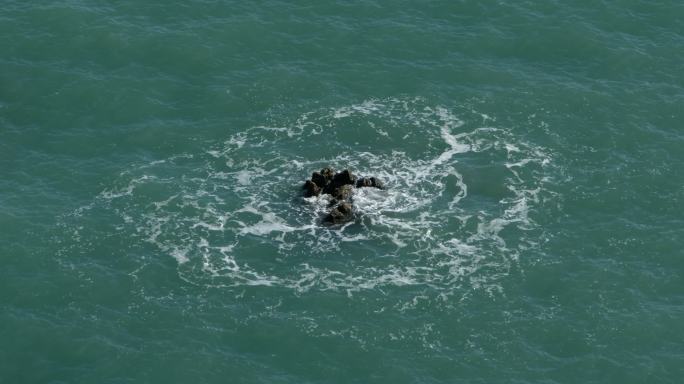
[340,186]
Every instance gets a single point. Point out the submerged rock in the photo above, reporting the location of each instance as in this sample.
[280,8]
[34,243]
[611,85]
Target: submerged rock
[340,186]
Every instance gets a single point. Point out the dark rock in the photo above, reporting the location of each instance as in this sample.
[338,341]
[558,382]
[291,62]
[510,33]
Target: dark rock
[370,182]
[340,214]
[343,193]
[341,187]
[363,182]
[343,178]
[319,179]
[328,173]
[324,179]
[377,183]
[329,189]
[311,189]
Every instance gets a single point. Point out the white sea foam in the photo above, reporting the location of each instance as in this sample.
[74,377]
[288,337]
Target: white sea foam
[426,228]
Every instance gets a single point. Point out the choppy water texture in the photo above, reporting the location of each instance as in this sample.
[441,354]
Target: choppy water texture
[153,228]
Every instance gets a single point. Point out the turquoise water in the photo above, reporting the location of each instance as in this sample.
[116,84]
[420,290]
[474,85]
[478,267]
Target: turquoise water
[153,229]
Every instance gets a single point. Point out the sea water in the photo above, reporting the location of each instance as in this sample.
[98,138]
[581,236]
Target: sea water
[153,227]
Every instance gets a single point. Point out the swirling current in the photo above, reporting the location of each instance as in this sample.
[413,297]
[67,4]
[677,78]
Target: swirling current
[458,210]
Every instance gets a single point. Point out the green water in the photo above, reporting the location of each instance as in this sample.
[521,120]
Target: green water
[152,228]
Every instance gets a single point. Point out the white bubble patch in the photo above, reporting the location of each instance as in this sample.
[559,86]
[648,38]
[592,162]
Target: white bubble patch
[458,210]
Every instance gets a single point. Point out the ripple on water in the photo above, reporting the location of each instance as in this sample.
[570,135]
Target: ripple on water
[457,210]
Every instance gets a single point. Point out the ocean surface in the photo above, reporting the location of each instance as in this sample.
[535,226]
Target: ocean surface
[152,228]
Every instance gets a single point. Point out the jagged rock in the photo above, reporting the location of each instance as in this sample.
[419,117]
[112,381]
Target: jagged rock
[343,178]
[319,179]
[363,182]
[340,214]
[377,183]
[328,173]
[343,193]
[324,179]
[311,189]
[341,187]
[369,182]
